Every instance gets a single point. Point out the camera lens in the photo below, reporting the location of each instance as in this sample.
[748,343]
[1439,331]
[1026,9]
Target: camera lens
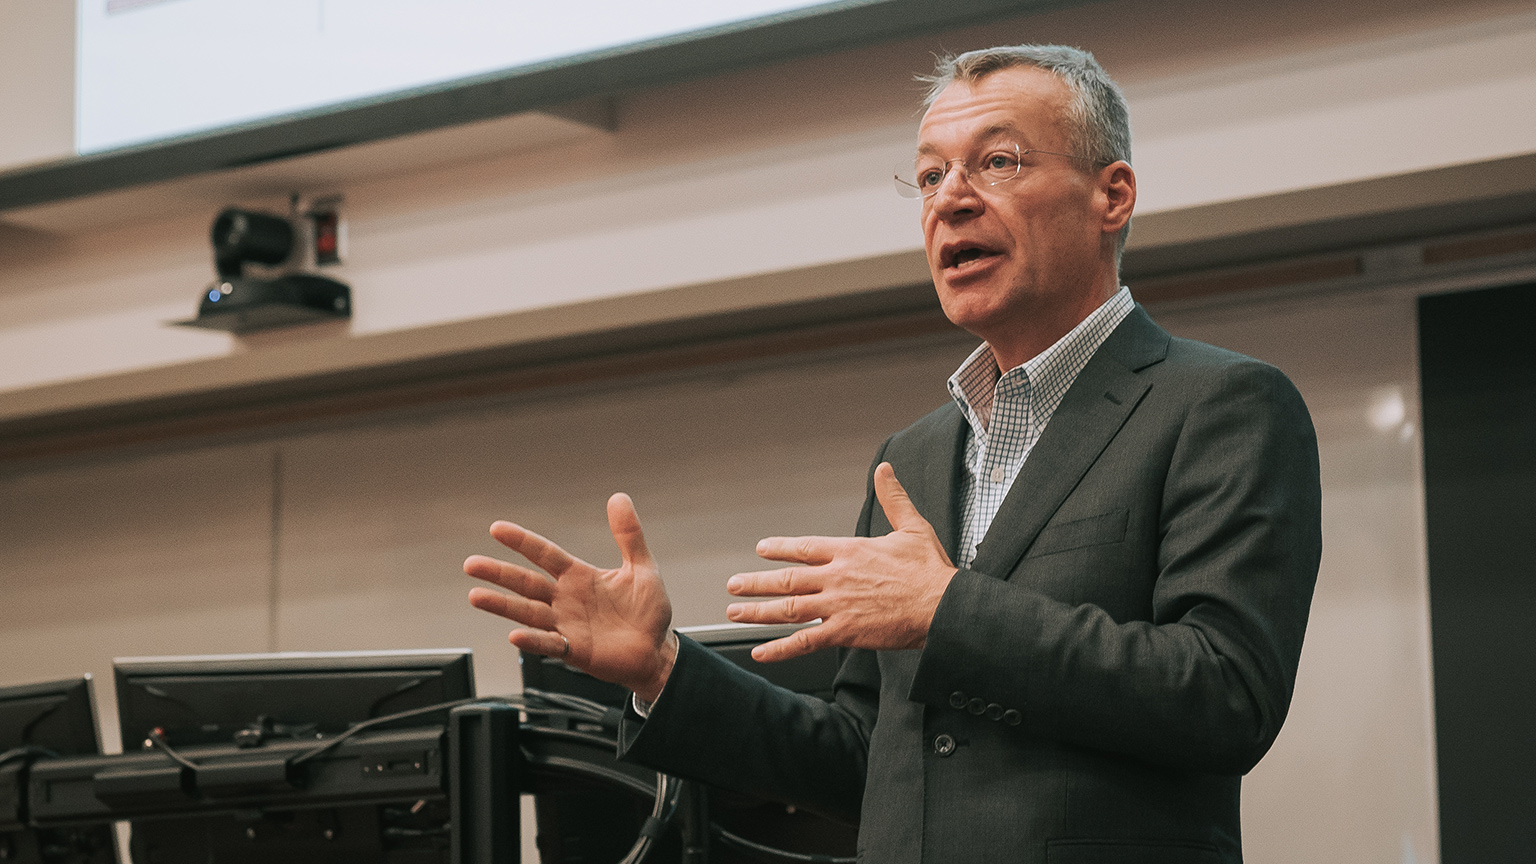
[243,235]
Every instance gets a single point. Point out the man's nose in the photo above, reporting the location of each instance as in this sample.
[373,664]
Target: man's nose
[956,193]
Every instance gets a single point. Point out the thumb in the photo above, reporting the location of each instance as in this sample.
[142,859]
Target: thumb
[898,507]
[624,522]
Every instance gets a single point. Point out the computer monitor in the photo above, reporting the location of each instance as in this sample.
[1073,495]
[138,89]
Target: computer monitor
[581,817]
[38,721]
[211,699]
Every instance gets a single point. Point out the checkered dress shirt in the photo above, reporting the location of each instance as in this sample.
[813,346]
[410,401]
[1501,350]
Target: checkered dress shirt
[1007,413]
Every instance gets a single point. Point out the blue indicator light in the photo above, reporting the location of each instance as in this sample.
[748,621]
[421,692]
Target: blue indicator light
[214,295]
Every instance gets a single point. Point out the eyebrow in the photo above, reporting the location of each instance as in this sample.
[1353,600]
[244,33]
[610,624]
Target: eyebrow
[992,131]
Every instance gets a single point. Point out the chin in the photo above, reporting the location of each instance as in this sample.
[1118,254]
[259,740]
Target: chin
[967,317]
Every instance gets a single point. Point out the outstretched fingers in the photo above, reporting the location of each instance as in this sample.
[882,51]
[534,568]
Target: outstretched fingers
[790,610]
[800,550]
[530,584]
[796,644]
[777,583]
[513,607]
[798,589]
[545,642]
[545,553]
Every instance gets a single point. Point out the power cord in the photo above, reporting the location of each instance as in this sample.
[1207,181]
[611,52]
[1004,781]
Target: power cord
[332,743]
[26,751]
[668,789]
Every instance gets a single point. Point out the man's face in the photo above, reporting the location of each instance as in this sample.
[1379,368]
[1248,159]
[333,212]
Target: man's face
[1027,250]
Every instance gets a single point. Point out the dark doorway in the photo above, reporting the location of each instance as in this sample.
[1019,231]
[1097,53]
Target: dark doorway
[1478,367]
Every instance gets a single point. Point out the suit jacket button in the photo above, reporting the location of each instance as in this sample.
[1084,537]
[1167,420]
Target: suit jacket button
[994,711]
[957,699]
[1012,717]
[976,706]
[944,744]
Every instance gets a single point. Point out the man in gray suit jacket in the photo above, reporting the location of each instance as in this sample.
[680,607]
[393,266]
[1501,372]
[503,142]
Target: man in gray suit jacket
[1075,622]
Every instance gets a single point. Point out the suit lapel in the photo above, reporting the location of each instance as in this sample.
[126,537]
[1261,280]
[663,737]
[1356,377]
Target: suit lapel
[1092,412]
[944,472]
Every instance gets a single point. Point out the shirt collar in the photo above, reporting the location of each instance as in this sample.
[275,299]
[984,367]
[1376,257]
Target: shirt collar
[974,385]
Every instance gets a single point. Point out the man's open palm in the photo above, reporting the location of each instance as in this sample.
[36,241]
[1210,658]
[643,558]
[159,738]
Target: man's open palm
[616,620]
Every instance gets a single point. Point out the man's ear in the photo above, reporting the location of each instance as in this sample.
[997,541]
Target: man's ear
[1117,183]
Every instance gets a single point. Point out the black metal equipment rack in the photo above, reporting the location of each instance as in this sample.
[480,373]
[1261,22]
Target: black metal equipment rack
[479,743]
[483,752]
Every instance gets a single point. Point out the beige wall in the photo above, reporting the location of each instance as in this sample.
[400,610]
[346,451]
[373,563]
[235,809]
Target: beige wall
[1352,775]
[37,82]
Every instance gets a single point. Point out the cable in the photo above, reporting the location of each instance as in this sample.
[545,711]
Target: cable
[157,739]
[570,706]
[25,751]
[572,735]
[668,789]
[355,728]
[667,792]
[598,709]
[746,845]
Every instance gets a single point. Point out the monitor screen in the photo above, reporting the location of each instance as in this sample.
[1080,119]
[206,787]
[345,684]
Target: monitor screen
[207,700]
[56,715]
[38,721]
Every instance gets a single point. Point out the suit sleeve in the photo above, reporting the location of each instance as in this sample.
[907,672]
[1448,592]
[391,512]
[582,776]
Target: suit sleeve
[727,727]
[1205,682]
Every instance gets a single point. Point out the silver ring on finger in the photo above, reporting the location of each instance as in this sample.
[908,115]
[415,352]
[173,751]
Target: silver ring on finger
[565,652]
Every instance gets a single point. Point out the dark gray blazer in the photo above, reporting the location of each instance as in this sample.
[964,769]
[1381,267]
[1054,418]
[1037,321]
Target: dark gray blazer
[1094,686]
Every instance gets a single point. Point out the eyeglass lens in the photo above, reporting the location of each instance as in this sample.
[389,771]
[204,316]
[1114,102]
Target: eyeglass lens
[923,177]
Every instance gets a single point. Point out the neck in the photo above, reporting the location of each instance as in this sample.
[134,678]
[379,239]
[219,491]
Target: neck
[1041,329]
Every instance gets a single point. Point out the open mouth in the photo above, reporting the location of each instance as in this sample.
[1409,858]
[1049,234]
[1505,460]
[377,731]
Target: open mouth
[960,256]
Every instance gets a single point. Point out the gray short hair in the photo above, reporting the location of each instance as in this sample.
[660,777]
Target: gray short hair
[1099,123]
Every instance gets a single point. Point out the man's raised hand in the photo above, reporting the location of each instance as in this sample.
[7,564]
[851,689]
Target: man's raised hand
[869,592]
[617,622]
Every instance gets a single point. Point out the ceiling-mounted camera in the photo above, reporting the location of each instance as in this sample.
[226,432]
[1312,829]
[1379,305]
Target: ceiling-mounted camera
[241,303]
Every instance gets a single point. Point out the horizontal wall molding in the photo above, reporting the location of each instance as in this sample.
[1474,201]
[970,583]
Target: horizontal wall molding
[678,344]
[750,334]
[1442,201]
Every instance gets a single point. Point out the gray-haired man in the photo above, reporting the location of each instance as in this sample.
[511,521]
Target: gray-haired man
[1075,621]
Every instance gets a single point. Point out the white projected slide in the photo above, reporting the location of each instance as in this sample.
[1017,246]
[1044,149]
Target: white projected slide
[155,69]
